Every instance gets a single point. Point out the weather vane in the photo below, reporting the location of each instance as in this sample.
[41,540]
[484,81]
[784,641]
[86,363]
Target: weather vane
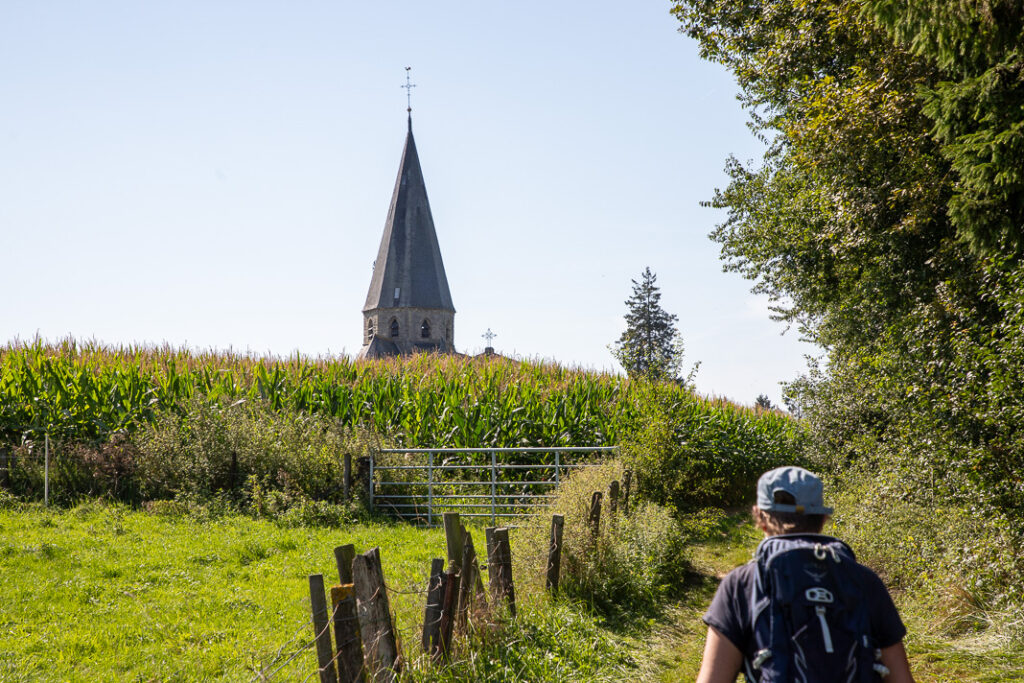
[489,336]
[408,89]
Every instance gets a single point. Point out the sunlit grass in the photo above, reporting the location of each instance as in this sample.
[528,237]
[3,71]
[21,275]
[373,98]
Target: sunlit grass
[105,593]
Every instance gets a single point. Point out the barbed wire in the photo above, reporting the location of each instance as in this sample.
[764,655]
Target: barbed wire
[478,615]
[261,676]
[278,663]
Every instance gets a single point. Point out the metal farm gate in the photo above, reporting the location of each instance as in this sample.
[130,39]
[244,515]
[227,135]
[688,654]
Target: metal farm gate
[419,484]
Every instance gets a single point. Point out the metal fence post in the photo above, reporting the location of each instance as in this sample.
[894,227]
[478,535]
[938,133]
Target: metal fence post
[557,464]
[371,482]
[430,488]
[46,473]
[494,486]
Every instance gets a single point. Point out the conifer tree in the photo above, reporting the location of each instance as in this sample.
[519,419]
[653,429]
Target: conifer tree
[651,346]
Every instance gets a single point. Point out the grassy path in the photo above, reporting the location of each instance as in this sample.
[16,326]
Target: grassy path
[935,656]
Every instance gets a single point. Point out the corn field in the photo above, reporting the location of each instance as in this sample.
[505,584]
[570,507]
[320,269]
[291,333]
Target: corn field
[90,394]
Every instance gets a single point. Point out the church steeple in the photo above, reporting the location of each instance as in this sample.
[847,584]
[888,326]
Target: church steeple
[408,307]
[409,270]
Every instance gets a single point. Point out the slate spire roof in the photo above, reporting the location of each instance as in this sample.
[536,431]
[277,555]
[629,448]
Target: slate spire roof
[409,271]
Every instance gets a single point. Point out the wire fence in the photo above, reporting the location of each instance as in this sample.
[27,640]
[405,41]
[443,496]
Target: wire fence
[41,454]
[300,655]
[359,635]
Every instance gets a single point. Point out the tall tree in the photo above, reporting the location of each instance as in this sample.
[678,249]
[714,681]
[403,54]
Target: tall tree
[977,107]
[651,346]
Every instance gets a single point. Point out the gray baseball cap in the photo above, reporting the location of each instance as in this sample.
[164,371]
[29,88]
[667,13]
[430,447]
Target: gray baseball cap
[805,487]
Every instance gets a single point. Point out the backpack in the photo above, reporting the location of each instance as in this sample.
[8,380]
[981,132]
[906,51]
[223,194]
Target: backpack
[810,620]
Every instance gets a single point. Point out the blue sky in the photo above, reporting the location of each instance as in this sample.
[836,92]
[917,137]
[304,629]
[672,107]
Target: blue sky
[217,174]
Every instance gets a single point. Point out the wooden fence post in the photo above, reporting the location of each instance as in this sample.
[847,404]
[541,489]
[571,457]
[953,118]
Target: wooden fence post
[5,468]
[466,578]
[613,497]
[321,629]
[448,609]
[493,582]
[432,613]
[346,634]
[343,556]
[471,586]
[363,475]
[375,617]
[346,479]
[594,519]
[453,536]
[505,548]
[478,583]
[500,569]
[555,552]
[627,480]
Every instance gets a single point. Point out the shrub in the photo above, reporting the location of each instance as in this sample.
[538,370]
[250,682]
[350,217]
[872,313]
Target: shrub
[966,563]
[689,456]
[257,456]
[8,501]
[108,469]
[628,565]
[316,513]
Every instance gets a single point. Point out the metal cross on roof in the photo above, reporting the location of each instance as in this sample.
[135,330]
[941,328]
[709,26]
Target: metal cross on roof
[489,336]
[408,89]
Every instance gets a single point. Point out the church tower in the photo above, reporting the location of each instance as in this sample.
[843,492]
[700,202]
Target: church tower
[408,308]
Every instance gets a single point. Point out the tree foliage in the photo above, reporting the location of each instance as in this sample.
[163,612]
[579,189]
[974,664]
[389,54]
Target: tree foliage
[885,221]
[977,106]
[650,346]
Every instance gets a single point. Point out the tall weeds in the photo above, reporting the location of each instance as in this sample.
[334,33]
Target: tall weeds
[624,568]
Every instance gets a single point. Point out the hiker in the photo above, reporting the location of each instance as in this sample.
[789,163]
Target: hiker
[803,609]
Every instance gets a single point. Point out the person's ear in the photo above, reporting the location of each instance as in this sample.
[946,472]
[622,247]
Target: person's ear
[758,516]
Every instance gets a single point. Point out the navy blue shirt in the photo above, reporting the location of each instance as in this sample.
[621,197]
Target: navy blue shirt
[729,613]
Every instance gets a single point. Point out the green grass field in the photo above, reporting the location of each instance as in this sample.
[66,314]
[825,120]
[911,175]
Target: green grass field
[106,593]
